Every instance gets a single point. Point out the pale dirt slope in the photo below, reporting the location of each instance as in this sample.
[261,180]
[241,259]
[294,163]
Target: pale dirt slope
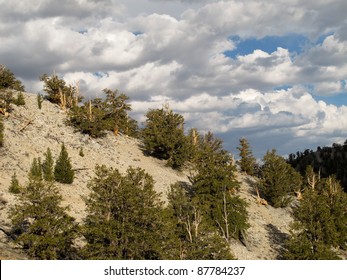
[30,131]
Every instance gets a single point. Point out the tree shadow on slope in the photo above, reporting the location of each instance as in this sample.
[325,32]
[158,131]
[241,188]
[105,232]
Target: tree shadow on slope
[9,250]
[253,186]
[147,153]
[277,239]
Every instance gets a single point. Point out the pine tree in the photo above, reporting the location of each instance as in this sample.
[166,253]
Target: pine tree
[41,225]
[278,180]
[192,237]
[53,86]
[47,166]
[214,187]
[63,172]
[2,128]
[215,172]
[163,137]
[117,108]
[97,116]
[8,80]
[231,216]
[36,169]
[247,161]
[59,92]
[320,221]
[14,185]
[123,216]
[312,231]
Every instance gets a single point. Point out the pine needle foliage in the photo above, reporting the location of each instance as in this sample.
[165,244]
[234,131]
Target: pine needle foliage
[58,92]
[164,138]
[53,86]
[97,116]
[116,108]
[48,166]
[35,172]
[20,100]
[320,221]
[214,171]
[6,99]
[214,188]
[278,180]
[123,216]
[192,237]
[88,118]
[63,172]
[247,161]
[41,225]
[8,80]
[14,187]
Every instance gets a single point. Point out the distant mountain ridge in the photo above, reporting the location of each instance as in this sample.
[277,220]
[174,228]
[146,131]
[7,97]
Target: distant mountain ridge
[327,161]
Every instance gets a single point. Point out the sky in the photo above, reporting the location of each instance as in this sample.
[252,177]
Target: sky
[274,72]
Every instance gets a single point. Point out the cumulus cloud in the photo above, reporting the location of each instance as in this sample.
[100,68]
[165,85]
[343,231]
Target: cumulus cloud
[289,119]
[328,88]
[161,51]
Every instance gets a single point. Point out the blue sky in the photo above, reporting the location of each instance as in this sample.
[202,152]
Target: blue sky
[338,99]
[272,71]
[294,43]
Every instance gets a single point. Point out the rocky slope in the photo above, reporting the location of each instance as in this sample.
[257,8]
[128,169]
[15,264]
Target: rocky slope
[30,131]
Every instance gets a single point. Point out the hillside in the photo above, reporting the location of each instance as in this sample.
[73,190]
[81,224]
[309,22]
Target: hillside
[327,161]
[30,131]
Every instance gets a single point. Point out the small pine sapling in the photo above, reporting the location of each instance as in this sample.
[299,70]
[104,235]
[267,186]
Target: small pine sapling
[63,172]
[47,166]
[39,101]
[14,186]
[36,169]
[20,100]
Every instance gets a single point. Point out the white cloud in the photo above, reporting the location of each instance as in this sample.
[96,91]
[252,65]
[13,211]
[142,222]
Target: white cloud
[328,88]
[159,51]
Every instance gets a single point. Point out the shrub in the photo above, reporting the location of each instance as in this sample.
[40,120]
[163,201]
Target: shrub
[19,101]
